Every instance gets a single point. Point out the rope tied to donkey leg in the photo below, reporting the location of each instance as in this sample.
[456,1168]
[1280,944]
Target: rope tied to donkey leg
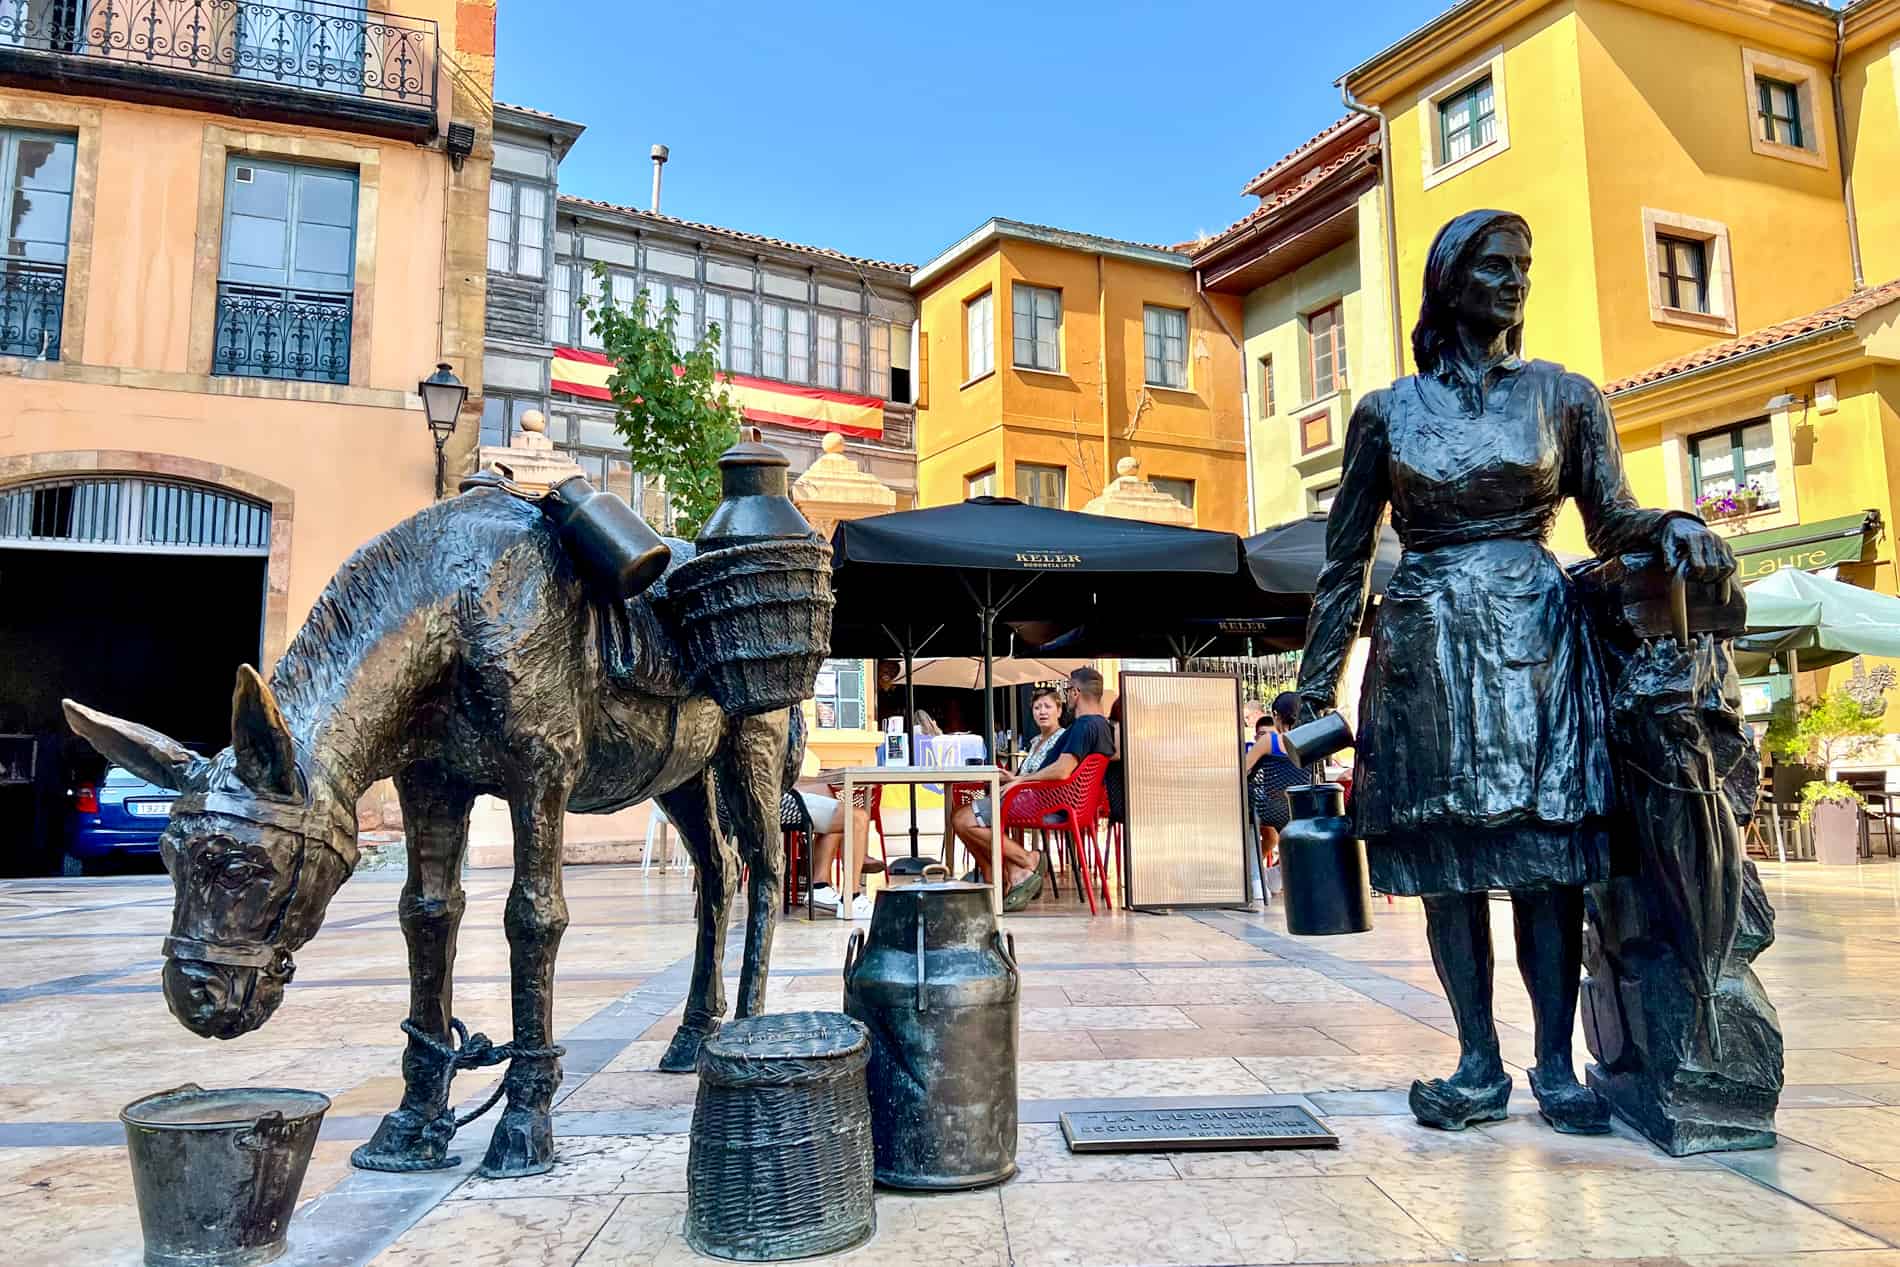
[478,1051]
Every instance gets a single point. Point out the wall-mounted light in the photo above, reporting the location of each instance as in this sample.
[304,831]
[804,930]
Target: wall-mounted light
[443,395]
[460,143]
[1787,400]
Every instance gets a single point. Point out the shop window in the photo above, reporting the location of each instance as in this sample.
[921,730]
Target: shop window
[1042,485]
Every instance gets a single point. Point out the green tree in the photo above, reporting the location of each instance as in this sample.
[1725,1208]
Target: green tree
[1823,731]
[668,405]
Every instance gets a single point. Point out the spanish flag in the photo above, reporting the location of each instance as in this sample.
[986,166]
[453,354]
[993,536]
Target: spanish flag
[581,373]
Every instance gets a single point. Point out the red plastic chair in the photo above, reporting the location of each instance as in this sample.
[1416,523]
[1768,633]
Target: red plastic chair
[1071,808]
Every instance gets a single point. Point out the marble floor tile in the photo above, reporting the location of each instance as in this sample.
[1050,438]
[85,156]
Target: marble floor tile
[1808,1174]
[1862,1136]
[1610,1213]
[1224,1221]
[1878,1218]
[1340,1073]
[952,1230]
[1174,994]
[1060,1045]
[633,1091]
[1404,1037]
[1294,1040]
[1835,1067]
[1043,1156]
[1126,1018]
[637,1057]
[595,1165]
[1094,1079]
[511,1232]
[1268,1015]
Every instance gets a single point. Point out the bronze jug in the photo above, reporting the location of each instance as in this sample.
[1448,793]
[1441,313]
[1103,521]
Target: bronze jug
[937,985]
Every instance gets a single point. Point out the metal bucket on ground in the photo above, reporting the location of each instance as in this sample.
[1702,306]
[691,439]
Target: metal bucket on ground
[217,1173]
[937,985]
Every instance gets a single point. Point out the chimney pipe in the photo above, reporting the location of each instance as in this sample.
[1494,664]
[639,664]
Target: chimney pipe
[660,154]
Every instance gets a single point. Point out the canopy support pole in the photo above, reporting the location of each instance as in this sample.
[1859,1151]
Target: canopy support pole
[908,645]
[988,608]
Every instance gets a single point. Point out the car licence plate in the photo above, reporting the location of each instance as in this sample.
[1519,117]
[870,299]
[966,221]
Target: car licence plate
[150,809]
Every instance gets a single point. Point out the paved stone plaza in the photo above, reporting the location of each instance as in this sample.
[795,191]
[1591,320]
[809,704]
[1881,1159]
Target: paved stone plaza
[1117,1010]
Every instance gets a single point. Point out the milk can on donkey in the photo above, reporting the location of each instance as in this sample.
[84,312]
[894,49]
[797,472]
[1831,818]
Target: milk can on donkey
[1483,757]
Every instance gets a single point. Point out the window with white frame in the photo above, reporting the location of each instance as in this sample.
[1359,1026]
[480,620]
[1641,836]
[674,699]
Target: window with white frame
[839,695]
[592,296]
[879,368]
[1462,119]
[1326,351]
[1042,485]
[1319,501]
[517,227]
[827,349]
[1736,463]
[851,353]
[36,183]
[561,302]
[980,483]
[733,315]
[798,345]
[1036,327]
[979,337]
[1164,347]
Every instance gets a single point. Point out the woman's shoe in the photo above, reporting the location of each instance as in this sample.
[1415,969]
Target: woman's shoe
[1025,891]
[1445,1105]
[1570,1107]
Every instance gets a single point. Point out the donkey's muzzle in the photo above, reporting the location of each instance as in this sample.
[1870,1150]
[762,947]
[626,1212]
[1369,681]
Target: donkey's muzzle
[220,1001]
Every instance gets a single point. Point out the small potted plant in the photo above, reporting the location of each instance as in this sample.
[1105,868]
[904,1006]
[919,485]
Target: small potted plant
[1717,507]
[1823,732]
[1748,500]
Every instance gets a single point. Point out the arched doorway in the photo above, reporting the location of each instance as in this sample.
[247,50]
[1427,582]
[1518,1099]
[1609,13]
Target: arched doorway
[137,594]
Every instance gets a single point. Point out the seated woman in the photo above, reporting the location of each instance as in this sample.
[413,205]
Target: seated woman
[1089,735]
[827,824]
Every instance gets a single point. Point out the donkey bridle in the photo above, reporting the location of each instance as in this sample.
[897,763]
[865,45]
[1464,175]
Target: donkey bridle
[332,827]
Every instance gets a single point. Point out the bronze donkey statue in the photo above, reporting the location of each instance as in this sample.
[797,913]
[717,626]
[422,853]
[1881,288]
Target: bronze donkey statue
[460,653]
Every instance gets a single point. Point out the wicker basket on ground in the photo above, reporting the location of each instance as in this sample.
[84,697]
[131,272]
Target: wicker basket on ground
[756,619]
[781,1164]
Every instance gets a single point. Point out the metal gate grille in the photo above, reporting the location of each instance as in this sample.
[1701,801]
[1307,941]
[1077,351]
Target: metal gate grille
[131,515]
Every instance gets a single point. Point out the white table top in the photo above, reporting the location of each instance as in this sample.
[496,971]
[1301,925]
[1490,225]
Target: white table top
[917,773]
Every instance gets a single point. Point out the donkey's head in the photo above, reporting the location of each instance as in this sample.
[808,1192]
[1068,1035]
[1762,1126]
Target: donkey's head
[260,840]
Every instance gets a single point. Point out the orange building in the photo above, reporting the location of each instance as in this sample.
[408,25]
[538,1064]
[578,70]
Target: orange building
[1047,356]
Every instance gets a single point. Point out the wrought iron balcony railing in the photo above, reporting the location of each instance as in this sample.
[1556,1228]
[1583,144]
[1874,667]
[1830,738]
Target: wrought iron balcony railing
[267,333]
[336,50]
[32,306]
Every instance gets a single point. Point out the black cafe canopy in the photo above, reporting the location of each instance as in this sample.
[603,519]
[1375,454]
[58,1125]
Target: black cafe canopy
[1288,559]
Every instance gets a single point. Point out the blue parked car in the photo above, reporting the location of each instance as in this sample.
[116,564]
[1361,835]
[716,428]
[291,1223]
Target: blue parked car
[120,817]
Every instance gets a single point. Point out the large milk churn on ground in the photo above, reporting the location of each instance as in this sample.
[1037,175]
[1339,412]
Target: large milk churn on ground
[936,982]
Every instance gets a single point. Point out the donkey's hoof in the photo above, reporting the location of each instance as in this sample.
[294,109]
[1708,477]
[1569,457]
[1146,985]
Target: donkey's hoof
[406,1141]
[682,1054]
[523,1145]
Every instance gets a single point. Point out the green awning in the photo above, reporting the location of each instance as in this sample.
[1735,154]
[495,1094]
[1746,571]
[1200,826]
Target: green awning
[1803,547]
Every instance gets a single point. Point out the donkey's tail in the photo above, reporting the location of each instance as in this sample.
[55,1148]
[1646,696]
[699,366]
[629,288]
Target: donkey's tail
[795,749]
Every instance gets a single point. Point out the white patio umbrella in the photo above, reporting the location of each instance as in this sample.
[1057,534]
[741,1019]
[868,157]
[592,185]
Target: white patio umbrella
[1823,622]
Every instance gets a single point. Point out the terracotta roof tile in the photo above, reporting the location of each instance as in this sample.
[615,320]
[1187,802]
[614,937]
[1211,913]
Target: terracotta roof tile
[736,235]
[1331,132]
[1286,197]
[538,114]
[1836,316]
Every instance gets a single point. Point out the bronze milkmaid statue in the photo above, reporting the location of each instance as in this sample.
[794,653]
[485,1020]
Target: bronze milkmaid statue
[1483,759]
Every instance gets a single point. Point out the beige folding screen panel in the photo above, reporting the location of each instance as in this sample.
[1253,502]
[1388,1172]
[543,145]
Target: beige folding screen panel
[1181,755]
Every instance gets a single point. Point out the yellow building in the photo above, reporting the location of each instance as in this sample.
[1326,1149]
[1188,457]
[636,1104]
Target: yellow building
[1681,167]
[1048,356]
[224,270]
[1309,265]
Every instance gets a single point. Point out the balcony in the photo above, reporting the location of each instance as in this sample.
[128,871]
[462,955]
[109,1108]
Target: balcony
[32,305]
[305,61]
[267,333]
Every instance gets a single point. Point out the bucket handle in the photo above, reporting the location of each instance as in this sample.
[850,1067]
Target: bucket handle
[266,1133]
[853,953]
[1006,947]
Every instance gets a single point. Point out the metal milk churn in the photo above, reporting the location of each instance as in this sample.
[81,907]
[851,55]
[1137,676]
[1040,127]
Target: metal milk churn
[938,987]
[1322,862]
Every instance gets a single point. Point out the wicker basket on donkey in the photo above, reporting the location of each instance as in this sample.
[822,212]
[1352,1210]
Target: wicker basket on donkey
[757,620]
[781,1164]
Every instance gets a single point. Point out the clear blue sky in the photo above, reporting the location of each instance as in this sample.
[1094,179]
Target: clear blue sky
[890,130]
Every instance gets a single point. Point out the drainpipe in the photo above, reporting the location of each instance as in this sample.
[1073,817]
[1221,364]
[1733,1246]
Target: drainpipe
[1246,409]
[1391,223]
[1840,146]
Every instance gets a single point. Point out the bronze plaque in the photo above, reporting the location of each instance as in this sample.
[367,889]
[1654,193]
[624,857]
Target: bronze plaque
[1178,1130]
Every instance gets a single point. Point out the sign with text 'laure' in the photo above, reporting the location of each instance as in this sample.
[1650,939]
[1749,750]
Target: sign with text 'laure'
[1804,547]
[1178,1130]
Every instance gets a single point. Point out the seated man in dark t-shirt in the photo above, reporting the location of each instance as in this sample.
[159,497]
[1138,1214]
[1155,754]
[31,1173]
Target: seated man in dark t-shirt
[1089,735]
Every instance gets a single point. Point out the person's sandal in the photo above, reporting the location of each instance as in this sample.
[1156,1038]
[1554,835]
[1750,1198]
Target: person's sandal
[1023,892]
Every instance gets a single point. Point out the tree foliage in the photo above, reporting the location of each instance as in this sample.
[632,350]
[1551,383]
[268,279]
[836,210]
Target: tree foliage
[669,406]
[1823,731]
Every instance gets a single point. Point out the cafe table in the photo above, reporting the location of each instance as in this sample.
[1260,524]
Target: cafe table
[901,775]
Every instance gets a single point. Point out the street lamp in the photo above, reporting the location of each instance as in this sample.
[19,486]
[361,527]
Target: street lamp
[443,395]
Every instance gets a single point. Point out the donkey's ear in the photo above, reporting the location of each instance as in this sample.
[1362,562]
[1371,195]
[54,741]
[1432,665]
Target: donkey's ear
[146,753]
[266,755]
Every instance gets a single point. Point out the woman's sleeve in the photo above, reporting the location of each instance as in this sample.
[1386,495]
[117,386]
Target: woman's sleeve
[1352,538]
[1612,521]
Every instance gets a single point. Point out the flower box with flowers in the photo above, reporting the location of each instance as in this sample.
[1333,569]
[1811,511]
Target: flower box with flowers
[1738,503]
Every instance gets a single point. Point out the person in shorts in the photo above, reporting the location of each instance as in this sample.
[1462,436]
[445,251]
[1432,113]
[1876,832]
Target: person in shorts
[1090,734]
[827,825]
